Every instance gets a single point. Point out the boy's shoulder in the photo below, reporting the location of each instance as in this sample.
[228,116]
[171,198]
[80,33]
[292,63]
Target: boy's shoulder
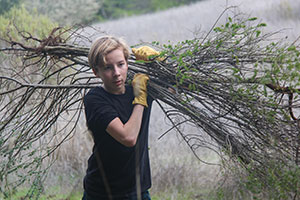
[93,93]
[95,90]
[100,92]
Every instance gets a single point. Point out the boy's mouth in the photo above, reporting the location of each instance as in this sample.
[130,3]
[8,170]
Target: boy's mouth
[119,82]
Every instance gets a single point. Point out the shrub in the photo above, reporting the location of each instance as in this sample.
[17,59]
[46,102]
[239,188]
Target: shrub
[66,12]
[19,19]
[273,180]
[5,5]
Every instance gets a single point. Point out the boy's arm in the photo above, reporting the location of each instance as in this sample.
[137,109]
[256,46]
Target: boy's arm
[127,133]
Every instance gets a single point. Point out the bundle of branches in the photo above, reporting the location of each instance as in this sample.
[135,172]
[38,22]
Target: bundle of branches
[236,83]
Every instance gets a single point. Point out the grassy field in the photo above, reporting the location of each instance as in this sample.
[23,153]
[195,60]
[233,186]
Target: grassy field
[176,172]
[56,194]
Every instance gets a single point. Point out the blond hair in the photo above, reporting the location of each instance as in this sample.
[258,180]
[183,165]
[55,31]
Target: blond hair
[103,46]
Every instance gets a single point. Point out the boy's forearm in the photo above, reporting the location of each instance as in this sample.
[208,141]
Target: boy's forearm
[127,133]
[133,125]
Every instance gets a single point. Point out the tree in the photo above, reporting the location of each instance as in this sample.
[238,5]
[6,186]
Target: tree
[66,12]
[6,5]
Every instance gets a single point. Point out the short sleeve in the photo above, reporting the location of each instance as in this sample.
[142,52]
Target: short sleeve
[99,112]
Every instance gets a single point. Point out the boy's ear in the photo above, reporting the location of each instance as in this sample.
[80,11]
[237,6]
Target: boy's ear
[96,72]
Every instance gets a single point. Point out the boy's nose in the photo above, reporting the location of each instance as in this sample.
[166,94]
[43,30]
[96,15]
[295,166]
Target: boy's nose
[116,71]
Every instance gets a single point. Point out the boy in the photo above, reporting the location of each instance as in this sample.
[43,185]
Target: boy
[118,117]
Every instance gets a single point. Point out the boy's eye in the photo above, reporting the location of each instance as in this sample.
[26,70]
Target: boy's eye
[107,67]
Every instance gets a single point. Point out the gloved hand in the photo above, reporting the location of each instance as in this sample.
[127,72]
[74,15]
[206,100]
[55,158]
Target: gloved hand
[144,52]
[139,84]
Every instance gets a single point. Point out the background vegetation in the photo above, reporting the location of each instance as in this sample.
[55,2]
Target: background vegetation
[118,8]
[70,12]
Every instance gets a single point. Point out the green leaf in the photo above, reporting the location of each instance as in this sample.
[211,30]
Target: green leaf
[291,48]
[252,19]
[297,65]
[219,44]
[265,91]
[258,32]
[262,25]
[218,29]
[254,74]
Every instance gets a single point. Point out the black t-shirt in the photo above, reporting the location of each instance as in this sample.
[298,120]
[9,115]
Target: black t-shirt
[112,166]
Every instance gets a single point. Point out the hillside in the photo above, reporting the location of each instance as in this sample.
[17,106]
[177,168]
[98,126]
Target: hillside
[182,23]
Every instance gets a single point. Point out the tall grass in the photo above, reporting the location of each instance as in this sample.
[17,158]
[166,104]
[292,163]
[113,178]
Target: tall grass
[175,170]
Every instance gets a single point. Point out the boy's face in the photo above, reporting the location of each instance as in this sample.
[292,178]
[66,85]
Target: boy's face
[114,73]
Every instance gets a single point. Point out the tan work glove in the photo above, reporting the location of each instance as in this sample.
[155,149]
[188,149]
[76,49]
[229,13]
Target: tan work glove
[144,52]
[139,84]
